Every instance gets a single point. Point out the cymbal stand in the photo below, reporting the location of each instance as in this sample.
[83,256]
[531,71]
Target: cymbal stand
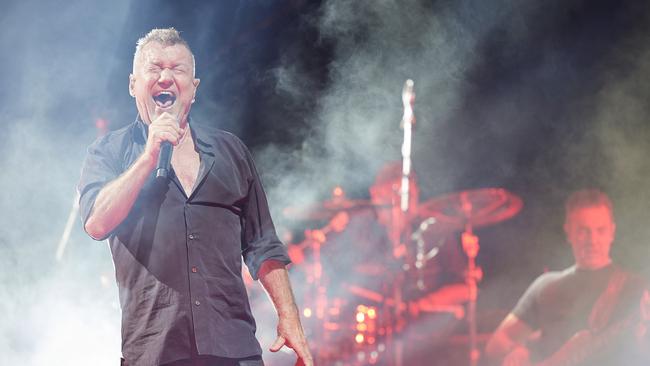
[421,258]
[314,239]
[408,119]
[403,228]
[473,276]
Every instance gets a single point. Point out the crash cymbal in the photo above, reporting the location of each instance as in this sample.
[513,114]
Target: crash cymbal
[480,207]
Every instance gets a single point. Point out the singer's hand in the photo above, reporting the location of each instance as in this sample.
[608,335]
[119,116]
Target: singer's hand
[162,128]
[290,334]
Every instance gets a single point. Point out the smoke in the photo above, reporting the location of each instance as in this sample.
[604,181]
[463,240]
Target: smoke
[622,135]
[354,127]
[55,67]
[538,98]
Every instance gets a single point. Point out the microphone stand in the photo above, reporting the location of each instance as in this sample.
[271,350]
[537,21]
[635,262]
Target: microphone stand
[67,230]
[408,119]
[102,129]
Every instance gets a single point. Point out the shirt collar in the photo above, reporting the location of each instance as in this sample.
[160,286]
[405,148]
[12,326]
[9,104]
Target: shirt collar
[200,137]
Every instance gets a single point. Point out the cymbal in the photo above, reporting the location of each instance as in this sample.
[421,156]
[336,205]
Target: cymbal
[324,210]
[480,207]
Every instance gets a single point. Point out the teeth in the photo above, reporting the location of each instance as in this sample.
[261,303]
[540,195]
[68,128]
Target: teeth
[164,98]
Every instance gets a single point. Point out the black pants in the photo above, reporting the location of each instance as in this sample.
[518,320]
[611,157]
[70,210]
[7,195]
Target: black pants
[214,361]
[219,361]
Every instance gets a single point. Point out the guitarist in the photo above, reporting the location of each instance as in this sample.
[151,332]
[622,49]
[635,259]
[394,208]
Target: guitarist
[581,315]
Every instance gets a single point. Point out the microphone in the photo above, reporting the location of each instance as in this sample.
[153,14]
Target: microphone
[164,160]
[165,156]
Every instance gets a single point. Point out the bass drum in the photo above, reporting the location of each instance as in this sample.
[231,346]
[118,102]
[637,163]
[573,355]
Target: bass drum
[351,334]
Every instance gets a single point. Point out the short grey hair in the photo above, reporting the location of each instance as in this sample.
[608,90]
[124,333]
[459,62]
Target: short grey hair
[588,198]
[166,37]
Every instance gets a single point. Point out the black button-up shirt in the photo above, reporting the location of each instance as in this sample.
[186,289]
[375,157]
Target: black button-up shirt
[178,258]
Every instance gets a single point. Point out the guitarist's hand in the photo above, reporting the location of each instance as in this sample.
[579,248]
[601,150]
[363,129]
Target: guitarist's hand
[645,306]
[517,357]
[642,327]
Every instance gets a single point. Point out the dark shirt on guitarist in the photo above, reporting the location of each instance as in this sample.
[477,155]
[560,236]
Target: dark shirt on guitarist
[559,305]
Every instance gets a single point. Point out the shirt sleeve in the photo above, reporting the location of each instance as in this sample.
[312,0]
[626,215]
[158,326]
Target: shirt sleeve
[98,169]
[527,306]
[259,239]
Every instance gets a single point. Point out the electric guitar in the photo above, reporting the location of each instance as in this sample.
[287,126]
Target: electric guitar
[586,344]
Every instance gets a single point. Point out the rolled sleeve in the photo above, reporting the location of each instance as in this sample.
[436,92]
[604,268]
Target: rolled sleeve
[259,239]
[98,169]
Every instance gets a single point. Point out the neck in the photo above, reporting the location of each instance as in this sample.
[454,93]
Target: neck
[593,267]
[186,136]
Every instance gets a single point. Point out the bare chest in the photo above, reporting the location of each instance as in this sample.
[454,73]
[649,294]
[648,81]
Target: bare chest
[186,164]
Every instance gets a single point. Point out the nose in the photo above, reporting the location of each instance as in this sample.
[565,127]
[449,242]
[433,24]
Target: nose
[591,237]
[166,78]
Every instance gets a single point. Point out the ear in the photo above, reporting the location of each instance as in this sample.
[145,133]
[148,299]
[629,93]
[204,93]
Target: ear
[196,83]
[566,229]
[132,85]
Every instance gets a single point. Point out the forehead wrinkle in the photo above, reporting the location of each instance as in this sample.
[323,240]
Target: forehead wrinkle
[137,60]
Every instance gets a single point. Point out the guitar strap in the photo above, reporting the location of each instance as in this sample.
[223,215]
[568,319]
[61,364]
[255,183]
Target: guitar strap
[607,301]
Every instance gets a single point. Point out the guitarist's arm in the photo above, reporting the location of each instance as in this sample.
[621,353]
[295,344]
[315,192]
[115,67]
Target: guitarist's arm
[642,332]
[508,342]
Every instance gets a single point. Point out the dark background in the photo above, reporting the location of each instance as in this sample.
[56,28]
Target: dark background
[538,97]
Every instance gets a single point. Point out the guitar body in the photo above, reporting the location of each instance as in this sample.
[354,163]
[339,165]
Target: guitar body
[608,322]
[584,344]
[572,353]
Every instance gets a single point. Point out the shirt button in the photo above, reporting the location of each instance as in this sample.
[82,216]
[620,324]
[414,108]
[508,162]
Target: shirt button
[194,269]
[197,303]
[191,236]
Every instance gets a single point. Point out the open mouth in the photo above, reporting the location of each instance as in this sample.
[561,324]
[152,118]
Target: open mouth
[164,99]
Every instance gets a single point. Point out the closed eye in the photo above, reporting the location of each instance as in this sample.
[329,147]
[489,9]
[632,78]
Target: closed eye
[180,69]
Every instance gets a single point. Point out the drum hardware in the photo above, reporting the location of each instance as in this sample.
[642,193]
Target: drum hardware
[461,211]
[421,257]
[466,210]
[469,210]
[321,309]
[478,208]
[402,229]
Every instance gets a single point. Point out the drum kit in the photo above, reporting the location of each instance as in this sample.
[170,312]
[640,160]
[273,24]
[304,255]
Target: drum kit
[366,282]
[352,323]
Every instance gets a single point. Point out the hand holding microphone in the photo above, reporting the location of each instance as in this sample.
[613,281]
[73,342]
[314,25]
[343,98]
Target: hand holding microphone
[164,133]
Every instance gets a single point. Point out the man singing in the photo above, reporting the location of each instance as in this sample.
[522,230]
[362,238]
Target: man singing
[178,242]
